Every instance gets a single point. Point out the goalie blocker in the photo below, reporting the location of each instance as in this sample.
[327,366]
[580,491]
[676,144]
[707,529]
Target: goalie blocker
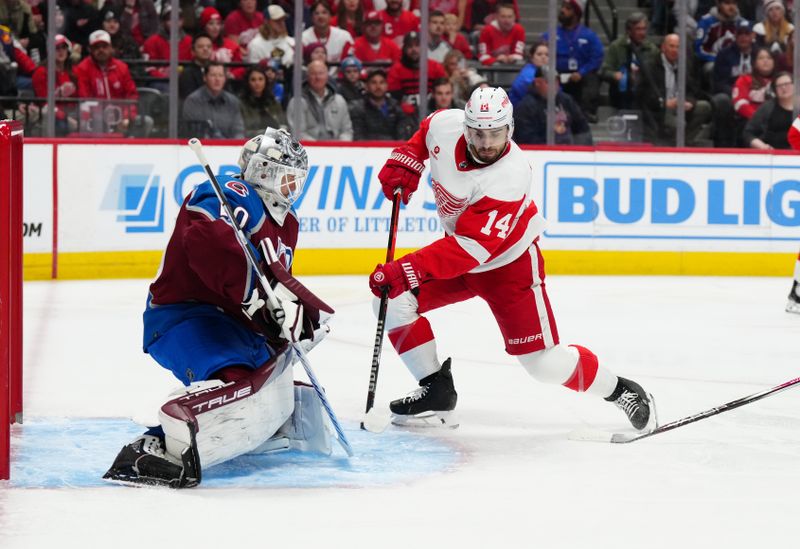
[212,422]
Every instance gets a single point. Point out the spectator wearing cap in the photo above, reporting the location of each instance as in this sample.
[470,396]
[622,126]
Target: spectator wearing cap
[579,54]
[397,21]
[123,46]
[210,111]
[774,31]
[323,112]
[454,37]
[18,17]
[373,47]
[225,50]
[272,40]
[192,75]
[502,40]
[730,63]
[657,97]
[530,116]
[403,76]
[350,85]
[260,109]
[101,76]
[538,55]
[137,17]
[315,51]
[623,58]
[350,17]
[156,47]
[437,45]
[66,86]
[81,17]
[241,25]
[377,116]
[333,38]
[715,31]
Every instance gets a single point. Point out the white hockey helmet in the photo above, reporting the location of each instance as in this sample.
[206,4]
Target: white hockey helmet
[488,108]
[276,165]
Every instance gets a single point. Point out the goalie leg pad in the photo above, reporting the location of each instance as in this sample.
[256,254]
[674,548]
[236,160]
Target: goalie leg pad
[308,430]
[233,418]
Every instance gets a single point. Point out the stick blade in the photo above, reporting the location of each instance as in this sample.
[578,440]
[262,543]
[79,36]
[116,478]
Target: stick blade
[590,435]
[375,421]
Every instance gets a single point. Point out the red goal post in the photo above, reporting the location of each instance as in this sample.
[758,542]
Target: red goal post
[10,286]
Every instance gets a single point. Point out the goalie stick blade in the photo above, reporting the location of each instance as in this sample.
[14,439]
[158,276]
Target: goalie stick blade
[375,421]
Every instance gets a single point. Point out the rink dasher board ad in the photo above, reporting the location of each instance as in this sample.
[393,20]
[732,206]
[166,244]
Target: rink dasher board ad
[614,212]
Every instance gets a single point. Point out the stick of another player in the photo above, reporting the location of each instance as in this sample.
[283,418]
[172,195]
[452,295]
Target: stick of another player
[374,421]
[276,311]
[622,438]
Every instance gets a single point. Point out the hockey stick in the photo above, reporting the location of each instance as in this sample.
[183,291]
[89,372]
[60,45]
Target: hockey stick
[374,421]
[623,438]
[276,311]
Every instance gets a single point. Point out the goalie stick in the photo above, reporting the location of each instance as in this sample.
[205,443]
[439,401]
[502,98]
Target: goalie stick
[374,421]
[624,438]
[276,311]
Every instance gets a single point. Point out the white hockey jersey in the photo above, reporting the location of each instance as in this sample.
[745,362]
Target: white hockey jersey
[486,210]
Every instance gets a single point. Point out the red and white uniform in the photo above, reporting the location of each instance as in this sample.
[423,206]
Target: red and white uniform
[395,28]
[794,134]
[335,43]
[493,42]
[385,50]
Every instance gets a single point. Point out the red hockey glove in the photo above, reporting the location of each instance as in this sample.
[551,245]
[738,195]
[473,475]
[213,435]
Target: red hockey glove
[396,276]
[403,169]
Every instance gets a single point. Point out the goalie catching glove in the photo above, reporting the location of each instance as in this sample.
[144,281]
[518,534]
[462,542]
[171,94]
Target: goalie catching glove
[395,277]
[402,170]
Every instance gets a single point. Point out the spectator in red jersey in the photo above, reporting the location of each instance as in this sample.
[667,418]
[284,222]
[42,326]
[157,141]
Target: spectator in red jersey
[66,86]
[100,76]
[350,17]
[398,22]
[437,45]
[241,25]
[751,90]
[272,40]
[403,77]
[333,38]
[138,17]
[156,48]
[502,40]
[482,12]
[225,50]
[454,37]
[373,46]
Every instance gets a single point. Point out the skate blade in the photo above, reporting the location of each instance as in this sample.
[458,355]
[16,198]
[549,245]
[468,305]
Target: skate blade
[427,420]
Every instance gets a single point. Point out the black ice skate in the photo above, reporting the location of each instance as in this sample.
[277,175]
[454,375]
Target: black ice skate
[431,405]
[638,405]
[144,462]
[793,305]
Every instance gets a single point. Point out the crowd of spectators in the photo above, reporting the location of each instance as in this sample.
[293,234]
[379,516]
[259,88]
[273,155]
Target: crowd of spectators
[360,68]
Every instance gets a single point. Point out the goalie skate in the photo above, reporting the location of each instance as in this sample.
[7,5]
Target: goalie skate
[431,405]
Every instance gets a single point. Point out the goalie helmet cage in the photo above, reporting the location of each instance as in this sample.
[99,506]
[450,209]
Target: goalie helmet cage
[10,287]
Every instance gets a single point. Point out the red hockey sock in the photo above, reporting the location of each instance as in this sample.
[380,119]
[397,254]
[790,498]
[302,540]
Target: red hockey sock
[585,371]
[410,336]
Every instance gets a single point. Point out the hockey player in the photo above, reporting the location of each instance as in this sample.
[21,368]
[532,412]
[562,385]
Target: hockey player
[482,186]
[793,305]
[206,321]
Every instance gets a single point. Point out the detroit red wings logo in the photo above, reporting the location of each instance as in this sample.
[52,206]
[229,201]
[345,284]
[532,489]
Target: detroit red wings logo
[446,204]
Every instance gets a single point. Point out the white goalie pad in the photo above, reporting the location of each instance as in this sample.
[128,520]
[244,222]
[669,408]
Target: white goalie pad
[233,418]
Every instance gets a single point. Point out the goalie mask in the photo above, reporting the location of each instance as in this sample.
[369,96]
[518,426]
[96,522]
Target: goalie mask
[488,122]
[276,166]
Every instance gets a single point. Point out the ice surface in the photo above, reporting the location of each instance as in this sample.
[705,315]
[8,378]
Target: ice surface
[508,477]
